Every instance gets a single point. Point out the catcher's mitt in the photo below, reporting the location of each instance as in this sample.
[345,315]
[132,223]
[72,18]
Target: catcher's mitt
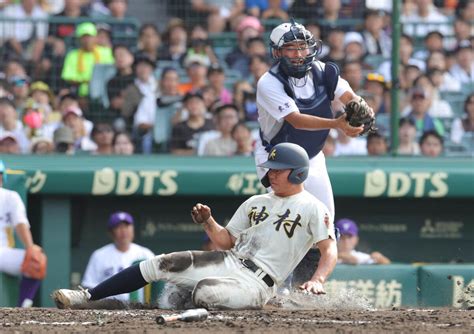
[359,113]
[34,263]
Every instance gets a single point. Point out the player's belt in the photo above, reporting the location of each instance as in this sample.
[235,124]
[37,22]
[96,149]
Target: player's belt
[253,267]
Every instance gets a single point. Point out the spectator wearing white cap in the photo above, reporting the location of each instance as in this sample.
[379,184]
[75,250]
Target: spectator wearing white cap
[424,19]
[81,128]
[354,46]
[9,144]
[116,256]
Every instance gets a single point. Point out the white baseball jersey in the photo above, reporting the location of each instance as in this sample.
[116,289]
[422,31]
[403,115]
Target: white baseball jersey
[12,213]
[108,261]
[277,232]
[274,105]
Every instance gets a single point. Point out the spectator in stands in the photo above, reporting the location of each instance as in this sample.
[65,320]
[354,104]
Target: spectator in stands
[61,34]
[226,117]
[258,7]
[352,71]
[149,42]
[14,68]
[465,10]
[376,40]
[79,63]
[464,125]
[42,95]
[140,97]
[114,257]
[438,106]
[442,79]
[306,10]
[169,88]
[216,78]
[201,45]
[123,31]
[196,69]
[104,35]
[81,128]
[210,97]
[418,111]
[431,144]
[376,144]
[67,100]
[175,41]
[9,144]
[276,10]
[102,135]
[406,53]
[354,46]
[42,145]
[238,59]
[123,144]
[375,84]
[20,89]
[9,123]
[346,145]
[463,30]
[25,40]
[258,66]
[335,40]
[122,79]
[217,12]
[183,135]
[407,137]
[348,242]
[245,100]
[433,42]
[426,18]
[64,140]
[463,70]
[243,138]
[331,12]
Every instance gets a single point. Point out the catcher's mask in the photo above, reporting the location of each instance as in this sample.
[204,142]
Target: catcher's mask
[287,156]
[3,172]
[294,32]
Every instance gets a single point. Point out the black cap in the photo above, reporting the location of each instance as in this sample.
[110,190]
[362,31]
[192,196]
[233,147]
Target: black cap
[144,59]
[191,94]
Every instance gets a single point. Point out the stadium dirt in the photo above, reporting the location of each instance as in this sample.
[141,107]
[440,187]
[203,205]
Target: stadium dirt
[269,320]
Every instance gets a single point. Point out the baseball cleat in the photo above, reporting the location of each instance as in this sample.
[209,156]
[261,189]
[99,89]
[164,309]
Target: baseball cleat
[65,298]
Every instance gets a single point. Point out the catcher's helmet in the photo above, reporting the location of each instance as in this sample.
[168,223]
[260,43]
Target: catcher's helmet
[3,171]
[287,156]
[291,32]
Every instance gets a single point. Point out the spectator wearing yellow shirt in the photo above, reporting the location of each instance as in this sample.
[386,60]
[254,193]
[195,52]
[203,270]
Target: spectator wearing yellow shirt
[79,63]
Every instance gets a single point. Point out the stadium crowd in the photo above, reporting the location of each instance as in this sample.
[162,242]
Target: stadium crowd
[85,77]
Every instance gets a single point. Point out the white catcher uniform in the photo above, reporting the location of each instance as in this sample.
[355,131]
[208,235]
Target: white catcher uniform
[274,232]
[274,104]
[12,213]
[108,261]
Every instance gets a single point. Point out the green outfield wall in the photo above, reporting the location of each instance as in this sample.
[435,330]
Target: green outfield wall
[413,210]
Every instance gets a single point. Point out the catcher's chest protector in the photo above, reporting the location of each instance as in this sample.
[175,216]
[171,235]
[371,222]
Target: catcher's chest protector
[325,82]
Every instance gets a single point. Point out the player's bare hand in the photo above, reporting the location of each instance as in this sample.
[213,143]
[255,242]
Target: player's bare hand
[313,287]
[349,130]
[200,213]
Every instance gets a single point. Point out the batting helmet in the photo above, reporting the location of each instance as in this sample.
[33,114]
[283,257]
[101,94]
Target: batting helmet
[287,156]
[294,32]
[3,171]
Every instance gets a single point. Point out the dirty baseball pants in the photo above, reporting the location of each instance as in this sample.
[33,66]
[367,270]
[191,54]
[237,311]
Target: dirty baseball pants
[218,279]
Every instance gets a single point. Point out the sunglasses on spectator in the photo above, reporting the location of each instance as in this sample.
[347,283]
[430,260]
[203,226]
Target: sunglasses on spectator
[19,82]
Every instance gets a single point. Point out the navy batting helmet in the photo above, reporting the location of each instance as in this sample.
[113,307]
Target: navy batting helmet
[294,32]
[287,156]
[3,171]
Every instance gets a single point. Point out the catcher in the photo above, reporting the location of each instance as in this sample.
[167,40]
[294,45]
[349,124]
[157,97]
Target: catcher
[263,242]
[30,262]
[294,100]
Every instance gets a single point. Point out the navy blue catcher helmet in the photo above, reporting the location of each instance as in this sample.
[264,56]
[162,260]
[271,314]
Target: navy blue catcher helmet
[287,156]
